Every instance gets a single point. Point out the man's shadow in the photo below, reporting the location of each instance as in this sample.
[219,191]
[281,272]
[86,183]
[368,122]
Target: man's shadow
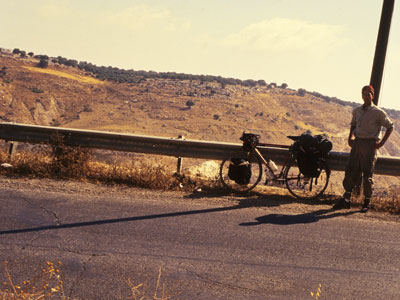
[306,218]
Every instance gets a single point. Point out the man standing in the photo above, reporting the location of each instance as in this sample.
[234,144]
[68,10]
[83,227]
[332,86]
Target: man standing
[366,125]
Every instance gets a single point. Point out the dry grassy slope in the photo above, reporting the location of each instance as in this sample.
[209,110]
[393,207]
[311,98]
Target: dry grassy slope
[71,98]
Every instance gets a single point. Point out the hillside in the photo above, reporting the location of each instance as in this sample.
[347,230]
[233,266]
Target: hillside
[69,97]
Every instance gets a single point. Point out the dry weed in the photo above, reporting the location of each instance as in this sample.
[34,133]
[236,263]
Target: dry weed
[387,201]
[49,285]
[74,162]
[138,291]
[43,286]
[68,161]
[317,294]
[139,174]
[27,164]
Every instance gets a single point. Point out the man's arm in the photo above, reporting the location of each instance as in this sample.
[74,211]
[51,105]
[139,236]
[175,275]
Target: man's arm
[385,137]
[350,140]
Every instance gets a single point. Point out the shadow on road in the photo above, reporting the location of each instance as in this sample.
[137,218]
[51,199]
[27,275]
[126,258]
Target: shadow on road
[310,217]
[256,200]
[121,220]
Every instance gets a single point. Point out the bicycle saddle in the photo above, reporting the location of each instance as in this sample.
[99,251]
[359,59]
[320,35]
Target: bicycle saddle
[294,137]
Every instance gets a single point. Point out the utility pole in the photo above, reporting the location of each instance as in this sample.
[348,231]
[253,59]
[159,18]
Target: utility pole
[381,47]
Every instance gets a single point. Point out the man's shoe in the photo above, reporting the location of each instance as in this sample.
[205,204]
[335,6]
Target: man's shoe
[365,207]
[342,204]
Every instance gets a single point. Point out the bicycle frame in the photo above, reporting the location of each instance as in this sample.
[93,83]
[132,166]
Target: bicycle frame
[275,178]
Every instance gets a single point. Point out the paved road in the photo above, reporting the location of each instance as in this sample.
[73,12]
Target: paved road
[209,247]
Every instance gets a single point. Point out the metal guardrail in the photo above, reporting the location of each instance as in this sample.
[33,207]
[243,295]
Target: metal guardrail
[165,146]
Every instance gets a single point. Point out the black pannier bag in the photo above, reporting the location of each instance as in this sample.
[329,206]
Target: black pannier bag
[309,150]
[239,170]
[323,145]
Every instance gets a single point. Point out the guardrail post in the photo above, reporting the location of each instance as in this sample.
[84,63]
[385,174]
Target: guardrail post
[12,149]
[180,159]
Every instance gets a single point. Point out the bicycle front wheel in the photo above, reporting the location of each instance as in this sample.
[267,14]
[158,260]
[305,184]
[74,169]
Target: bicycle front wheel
[255,166]
[304,187]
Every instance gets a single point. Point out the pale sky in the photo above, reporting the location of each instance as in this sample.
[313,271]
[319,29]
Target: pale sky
[325,46]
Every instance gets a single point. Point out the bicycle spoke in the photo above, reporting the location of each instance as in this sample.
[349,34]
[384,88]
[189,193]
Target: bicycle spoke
[256,173]
[304,187]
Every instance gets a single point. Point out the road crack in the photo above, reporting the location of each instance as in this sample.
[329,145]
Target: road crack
[56,218]
[83,270]
[219,283]
[46,210]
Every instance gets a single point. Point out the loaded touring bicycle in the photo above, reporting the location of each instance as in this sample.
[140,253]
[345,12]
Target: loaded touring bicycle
[305,172]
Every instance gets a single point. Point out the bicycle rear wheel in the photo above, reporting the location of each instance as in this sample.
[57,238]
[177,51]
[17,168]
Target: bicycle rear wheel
[303,187]
[256,172]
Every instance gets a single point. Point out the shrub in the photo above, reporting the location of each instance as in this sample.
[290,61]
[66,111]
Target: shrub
[87,108]
[301,92]
[262,82]
[249,82]
[43,63]
[36,90]
[190,103]
[69,161]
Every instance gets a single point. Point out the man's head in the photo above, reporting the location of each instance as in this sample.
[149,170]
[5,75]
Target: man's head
[367,93]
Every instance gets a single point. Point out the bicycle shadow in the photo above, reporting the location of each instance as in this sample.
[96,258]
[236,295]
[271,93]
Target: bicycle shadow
[251,199]
[262,199]
[306,218]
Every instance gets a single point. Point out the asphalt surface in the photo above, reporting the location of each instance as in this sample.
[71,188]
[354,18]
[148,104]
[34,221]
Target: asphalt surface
[207,246]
